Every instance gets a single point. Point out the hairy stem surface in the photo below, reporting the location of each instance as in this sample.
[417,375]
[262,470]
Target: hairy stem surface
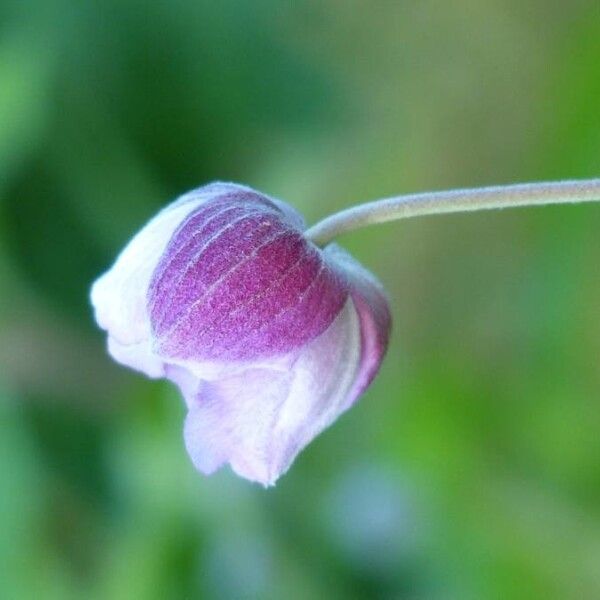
[432,203]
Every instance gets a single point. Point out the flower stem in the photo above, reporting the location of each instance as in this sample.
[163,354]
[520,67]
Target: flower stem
[431,203]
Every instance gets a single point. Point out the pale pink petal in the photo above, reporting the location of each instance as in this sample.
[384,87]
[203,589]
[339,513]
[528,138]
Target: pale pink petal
[372,306]
[260,419]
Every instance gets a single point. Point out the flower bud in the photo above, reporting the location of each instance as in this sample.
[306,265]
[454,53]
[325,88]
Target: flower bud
[268,337]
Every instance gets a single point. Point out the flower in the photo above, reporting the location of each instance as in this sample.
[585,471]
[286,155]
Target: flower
[268,337]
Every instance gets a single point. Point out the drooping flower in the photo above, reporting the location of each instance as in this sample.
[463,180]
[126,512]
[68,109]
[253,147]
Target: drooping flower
[269,337]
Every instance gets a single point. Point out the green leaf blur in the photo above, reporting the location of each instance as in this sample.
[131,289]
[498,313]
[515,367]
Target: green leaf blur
[471,468]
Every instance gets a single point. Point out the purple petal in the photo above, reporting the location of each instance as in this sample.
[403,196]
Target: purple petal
[238,281]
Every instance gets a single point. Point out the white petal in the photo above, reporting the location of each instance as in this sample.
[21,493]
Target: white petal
[119,296]
[138,356]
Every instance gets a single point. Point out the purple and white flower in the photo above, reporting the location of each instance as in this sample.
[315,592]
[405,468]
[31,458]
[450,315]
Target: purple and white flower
[269,337]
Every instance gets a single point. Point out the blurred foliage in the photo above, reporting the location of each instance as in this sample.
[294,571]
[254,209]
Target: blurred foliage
[471,469]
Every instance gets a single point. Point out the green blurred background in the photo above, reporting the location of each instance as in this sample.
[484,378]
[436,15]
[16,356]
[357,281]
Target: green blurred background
[471,468]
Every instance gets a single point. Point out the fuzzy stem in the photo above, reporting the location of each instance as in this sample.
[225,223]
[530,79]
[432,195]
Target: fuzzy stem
[431,203]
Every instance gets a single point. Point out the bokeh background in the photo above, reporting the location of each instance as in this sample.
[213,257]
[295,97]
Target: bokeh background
[471,468]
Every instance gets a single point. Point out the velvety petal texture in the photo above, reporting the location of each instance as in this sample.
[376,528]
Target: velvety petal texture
[269,337]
